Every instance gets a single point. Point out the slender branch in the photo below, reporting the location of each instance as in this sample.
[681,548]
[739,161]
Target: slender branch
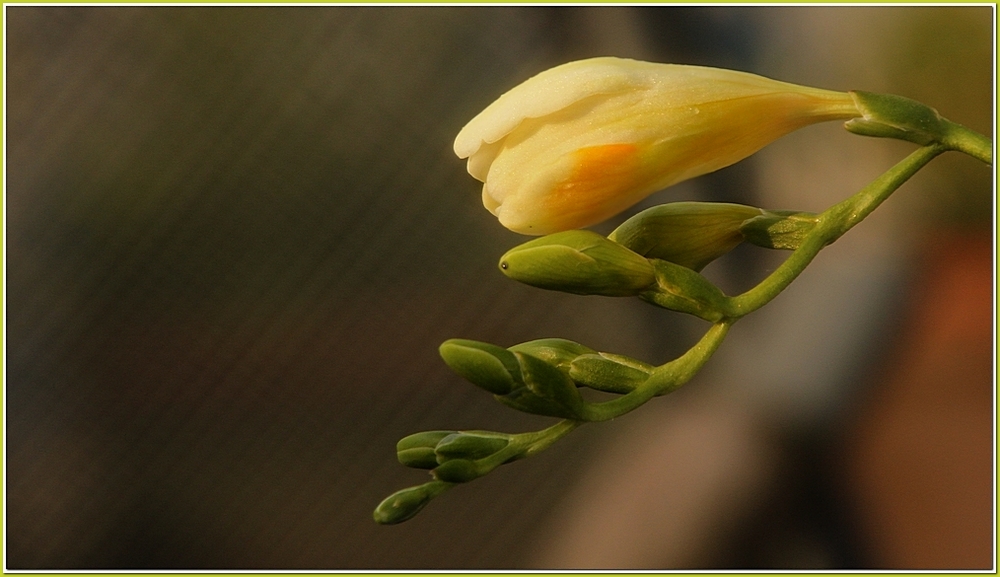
[962,139]
[831,225]
[664,379]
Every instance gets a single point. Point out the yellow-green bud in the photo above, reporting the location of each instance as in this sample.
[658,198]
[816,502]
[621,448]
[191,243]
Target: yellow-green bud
[681,289]
[779,229]
[456,471]
[579,262]
[556,352]
[691,234]
[548,382]
[403,505]
[609,372]
[417,450]
[488,366]
[471,445]
[524,400]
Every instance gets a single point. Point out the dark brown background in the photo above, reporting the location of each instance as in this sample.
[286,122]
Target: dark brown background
[236,236]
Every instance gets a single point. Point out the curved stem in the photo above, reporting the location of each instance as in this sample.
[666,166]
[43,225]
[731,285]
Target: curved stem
[961,139]
[831,225]
[541,440]
[664,379]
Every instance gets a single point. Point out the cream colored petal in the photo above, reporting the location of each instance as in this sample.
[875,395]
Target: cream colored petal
[549,92]
[489,202]
[479,163]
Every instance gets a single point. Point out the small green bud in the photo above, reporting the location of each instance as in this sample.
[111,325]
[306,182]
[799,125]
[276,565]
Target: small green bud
[471,445]
[548,382]
[557,352]
[417,450]
[456,471]
[681,289]
[524,400]
[890,116]
[691,234]
[779,229]
[609,372]
[579,262]
[403,505]
[488,366]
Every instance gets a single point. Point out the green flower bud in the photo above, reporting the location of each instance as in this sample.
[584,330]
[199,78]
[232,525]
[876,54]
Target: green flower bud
[403,505]
[524,400]
[579,262]
[417,450]
[456,471]
[681,289]
[471,445]
[890,116]
[609,373]
[781,229]
[549,382]
[556,352]
[691,234]
[488,366]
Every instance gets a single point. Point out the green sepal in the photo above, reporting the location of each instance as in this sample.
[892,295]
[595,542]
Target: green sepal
[691,234]
[524,400]
[681,289]
[891,116]
[456,471]
[548,382]
[780,229]
[490,367]
[471,445]
[403,505]
[609,373]
[417,450]
[578,262]
[556,352]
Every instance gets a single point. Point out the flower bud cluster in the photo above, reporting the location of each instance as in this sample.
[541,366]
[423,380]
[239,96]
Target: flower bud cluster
[542,377]
[656,254]
[451,456]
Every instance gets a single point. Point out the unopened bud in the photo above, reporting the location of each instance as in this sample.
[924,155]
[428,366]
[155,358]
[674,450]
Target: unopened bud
[681,289]
[609,373]
[579,262]
[556,352]
[691,234]
[548,382]
[403,505]
[488,366]
[526,401]
[417,450]
[471,445]
[456,471]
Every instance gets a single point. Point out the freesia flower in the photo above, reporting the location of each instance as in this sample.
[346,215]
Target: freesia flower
[581,142]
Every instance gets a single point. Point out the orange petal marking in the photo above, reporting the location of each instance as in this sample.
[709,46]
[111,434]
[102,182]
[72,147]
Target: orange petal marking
[599,185]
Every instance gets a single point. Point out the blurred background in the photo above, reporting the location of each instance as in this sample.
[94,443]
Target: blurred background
[236,236]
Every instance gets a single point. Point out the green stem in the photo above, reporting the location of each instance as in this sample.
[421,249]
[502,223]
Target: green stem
[664,379]
[541,440]
[960,138]
[525,445]
[831,225]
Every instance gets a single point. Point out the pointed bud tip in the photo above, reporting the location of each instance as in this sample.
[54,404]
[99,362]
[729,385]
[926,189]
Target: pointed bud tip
[485,365]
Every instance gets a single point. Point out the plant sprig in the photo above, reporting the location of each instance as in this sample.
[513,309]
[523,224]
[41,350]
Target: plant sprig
[656,256]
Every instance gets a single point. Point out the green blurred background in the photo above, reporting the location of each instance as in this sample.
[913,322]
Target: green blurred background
[235,237]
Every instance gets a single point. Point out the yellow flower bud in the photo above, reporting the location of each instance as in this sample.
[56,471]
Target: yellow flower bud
[581,142]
